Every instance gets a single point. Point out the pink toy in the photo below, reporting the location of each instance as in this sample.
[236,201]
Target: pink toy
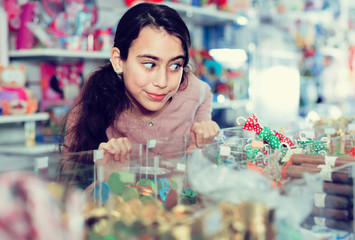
[25,37]
[13,10]
[61,82]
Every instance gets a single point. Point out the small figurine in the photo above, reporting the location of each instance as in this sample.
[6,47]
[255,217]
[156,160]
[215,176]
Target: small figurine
[14,96]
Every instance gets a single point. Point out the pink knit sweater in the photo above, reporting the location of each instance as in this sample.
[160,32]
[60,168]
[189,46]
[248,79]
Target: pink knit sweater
[189,105]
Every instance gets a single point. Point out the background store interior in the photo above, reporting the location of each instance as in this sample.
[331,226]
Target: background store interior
[287,61]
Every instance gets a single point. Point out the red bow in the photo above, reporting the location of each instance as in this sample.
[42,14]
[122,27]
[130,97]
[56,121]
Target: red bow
[251,124]
[284,139]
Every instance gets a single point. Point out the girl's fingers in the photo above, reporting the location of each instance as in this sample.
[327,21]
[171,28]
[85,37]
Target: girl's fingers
[128,149]
[107,147]
[118,148]
[204,132]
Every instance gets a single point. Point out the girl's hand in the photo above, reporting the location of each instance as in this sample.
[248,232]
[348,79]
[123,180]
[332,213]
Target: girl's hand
[204,132]
[117,149]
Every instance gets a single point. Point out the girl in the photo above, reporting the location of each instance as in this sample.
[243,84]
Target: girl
[145,91]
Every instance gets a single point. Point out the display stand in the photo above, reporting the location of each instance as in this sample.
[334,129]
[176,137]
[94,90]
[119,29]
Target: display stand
[13,142]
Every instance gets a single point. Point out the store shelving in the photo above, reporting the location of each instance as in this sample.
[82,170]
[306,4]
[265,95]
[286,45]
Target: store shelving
[24,117]
[57,55]
[232,104]
[205,15]
[20,148]
[199,16]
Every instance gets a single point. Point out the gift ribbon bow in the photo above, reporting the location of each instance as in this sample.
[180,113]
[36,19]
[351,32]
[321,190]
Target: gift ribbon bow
[267,135]
[284,139]
[273,139]
[320,146]
[308,145]
[252,124]
[251,153]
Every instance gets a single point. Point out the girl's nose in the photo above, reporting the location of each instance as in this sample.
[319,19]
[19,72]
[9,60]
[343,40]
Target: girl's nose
[161,79]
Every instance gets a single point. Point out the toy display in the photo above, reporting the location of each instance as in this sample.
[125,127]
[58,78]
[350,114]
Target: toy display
[131,2]
[161,196]
[253,182]
[25,37]
[15,97]
[69,22]
[13,10]
[31,209]
[333,203]
[60,83]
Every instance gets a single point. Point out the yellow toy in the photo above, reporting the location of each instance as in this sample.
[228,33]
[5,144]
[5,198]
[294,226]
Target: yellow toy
[14,96]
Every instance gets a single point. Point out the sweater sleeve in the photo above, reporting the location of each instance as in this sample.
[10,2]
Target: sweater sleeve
[204,111]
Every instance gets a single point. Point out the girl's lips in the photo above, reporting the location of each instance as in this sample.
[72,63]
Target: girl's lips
[156,97]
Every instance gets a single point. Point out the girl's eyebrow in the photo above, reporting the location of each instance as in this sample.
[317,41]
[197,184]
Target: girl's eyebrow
[157,59]
[147,56]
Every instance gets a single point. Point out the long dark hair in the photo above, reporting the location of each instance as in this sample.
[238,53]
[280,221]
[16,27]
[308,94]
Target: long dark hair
[103,96]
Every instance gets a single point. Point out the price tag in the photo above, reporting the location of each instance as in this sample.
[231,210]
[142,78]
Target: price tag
[290,152]
[319,200]
[152,143]
[181,167]
[330,160]
[225,151]
[98,154]
[326,172]
[257,144]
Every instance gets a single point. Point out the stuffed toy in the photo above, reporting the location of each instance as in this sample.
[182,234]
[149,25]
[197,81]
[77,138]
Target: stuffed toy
[4,108]
[14,96]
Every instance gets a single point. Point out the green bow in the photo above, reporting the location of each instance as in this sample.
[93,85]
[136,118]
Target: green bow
[251,153]
[267,135]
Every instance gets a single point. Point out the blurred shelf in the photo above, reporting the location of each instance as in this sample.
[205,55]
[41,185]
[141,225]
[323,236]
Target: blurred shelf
[205,15]
[24,117]
[22,149]
[57,54]
[313,16]
[231,104]
[334,52]
[201,15]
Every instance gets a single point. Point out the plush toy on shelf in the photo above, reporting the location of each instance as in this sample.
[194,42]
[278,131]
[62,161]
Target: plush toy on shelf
[15,98]
[4,107]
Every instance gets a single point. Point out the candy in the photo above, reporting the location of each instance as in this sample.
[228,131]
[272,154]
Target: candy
[102,191]
[115,183]
[146,182]
[145,190]
[129,193]
[171,199]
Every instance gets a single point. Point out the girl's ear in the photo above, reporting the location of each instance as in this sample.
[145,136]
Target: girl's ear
[116,60]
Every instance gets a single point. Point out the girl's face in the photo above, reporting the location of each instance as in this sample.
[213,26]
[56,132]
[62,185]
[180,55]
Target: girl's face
[153,70]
